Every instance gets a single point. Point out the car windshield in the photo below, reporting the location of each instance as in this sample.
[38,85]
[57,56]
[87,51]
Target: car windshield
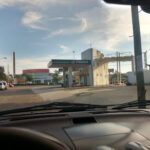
[72,51]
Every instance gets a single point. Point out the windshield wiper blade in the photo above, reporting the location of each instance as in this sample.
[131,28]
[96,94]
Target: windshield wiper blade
[60,106]
[132,104]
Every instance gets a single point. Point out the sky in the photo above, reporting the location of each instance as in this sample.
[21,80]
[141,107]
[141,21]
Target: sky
[41,30]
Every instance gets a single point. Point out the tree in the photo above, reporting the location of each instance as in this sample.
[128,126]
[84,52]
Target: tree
[113,78]
[56,77]
[28,77]
[2,74]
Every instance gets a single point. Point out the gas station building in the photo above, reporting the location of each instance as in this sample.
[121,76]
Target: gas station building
[89,72]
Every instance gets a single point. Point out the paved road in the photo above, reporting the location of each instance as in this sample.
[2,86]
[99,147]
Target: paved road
[92,95]
[18,97]
[28,96]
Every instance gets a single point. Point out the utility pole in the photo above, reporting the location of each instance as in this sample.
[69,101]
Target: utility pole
[145,60]
[14,64]
[141,92]
[119,68]
[117,54]
[8,71]
[73,54]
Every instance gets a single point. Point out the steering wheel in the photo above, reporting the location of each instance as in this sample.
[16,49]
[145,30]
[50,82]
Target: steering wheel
[25,139]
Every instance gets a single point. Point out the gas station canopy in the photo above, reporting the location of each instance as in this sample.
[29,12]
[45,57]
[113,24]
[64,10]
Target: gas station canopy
[56,63]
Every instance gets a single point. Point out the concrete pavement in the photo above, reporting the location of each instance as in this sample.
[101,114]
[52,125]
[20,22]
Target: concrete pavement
[30,95]
[90,95]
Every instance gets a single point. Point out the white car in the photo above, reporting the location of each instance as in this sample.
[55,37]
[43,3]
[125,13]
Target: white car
[5,84]
[2,86]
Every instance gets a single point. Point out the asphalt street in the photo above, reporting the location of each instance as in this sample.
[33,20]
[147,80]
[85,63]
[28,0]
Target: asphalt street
[34,95]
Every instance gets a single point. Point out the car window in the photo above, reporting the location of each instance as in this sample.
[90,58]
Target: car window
[76,51]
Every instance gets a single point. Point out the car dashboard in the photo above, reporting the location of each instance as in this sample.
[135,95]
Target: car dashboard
[90,130]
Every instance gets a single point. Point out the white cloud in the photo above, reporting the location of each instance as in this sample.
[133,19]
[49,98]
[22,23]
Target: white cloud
[46,3]
[104,27]
[72,29]
[65,49]
[36,63]
[4,3]
[108,27]
[55,33]
[6,63]
[32,19]
[84,24]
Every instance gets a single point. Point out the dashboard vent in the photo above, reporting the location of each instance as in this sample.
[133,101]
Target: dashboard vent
[84,120]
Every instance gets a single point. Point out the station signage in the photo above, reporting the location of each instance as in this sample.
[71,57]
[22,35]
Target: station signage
[59,61]
[36,71]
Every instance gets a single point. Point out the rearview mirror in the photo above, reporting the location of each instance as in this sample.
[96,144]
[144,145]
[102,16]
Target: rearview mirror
[145,4]
[129,2]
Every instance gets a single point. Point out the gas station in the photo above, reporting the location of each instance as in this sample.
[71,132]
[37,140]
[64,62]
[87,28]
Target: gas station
[69,66]
[91,70]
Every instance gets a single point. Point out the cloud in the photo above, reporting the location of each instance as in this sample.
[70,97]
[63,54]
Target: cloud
[6,63]
[65,49]
[84,24]
[109,27]
[78,29]
[36,63]
[55,33]
[4,3]
[32,19]
[104,26]
[42,4]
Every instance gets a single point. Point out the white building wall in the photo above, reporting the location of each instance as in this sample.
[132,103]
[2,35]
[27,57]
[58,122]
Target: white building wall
[147,76]
[132,77]
[96,54]
[101,76]
[88,55]
[42,78]
[98,73]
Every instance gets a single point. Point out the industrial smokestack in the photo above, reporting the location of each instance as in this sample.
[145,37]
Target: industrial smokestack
[14,64]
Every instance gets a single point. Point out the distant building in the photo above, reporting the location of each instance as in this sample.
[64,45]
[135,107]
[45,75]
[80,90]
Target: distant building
[132,77]
[40,76]
[19,79]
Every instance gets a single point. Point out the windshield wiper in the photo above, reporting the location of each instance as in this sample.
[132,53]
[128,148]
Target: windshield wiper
[132,104]
[67,107]
[58,106]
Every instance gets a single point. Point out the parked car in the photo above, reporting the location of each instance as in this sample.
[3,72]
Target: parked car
[2,86]
[11,85]
[128,84]
[5,84]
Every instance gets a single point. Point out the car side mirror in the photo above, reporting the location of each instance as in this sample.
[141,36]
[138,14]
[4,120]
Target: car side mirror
[145,4]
